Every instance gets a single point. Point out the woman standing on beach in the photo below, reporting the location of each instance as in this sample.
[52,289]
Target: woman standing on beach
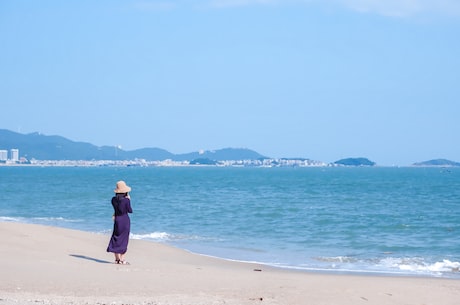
[121,203]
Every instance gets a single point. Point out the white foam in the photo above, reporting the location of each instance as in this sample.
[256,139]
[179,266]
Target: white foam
[161,236]
[168,237]
[56,219]
[437,267]
[337,259]
[418,265]
[10,219]
[388,265]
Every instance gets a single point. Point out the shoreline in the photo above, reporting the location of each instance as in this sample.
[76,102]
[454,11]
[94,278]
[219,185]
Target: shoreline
[294,268]
[51,265]
[228,163]
[332,272]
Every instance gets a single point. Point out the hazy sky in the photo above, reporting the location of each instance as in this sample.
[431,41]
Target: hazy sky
[319,79]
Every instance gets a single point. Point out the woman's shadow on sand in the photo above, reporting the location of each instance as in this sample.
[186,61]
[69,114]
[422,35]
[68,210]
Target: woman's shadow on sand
[90,258]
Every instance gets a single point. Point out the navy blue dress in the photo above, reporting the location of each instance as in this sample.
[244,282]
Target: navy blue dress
[122,224]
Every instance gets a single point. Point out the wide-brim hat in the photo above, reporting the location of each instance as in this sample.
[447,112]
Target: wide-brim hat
[122,188]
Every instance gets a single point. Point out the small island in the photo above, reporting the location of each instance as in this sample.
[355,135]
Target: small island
[438,162]
[354,162]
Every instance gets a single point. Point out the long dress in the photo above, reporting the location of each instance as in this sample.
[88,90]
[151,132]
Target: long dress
[122,224]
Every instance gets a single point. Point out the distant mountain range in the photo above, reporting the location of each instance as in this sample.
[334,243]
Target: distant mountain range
[41,147]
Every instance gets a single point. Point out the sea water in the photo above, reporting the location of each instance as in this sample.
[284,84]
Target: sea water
[371,220]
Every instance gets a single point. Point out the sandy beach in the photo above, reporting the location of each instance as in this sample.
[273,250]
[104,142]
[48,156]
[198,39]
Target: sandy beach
[49,265]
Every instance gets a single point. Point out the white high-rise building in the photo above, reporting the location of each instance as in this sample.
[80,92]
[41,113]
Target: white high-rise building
[14,154]
[3,155]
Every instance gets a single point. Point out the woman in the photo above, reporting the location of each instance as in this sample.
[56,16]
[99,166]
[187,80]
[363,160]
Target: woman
[121,203]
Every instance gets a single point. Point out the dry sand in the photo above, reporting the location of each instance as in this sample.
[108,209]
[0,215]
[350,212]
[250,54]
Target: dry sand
[49,265]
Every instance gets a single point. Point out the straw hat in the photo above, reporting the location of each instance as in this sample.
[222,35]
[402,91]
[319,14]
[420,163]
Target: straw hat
[122,188]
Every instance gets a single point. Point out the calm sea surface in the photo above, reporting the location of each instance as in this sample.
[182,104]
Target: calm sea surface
[403,221]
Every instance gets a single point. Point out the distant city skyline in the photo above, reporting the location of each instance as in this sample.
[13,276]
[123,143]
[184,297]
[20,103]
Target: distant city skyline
[323,80]
[13,154]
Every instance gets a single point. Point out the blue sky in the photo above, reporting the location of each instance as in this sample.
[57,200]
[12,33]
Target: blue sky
[316,79]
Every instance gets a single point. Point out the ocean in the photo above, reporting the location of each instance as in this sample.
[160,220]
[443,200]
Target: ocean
[365,220]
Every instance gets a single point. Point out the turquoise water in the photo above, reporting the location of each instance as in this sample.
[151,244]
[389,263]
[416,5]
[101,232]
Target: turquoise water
[403,221]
